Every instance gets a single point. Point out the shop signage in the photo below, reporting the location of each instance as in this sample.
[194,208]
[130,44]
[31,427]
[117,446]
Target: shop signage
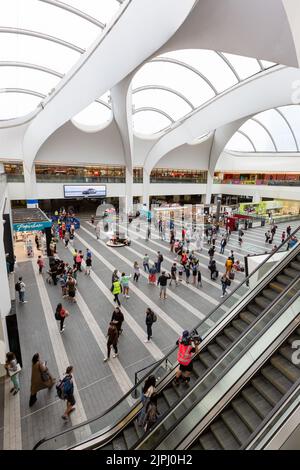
[31,226]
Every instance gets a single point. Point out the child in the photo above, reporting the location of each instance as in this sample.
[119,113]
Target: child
[152,275]
[151,413]
[180,272]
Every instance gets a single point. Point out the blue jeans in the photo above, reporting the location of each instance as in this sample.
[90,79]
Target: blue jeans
[15,381]
[146,267]
[142,414]
[21,296]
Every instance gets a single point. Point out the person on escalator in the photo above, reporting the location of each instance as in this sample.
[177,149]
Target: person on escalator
[186,350]
[147,392]
[152,413]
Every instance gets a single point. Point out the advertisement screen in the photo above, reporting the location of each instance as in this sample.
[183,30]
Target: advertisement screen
[84,191]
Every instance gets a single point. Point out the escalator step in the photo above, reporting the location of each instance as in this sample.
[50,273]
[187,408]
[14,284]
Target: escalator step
[257,401]
[288,369]
[209,442]
[196,446]
[139,429]
[215,350]
[239,325]
[294,337]
[237,427]
[247,414]
[231,333]
[108,447]
[284,279]
[162,404]
[223,435]
[262,302]
[170,395]
[247,317]
[267,390]
[293,273]
[254,309]
[223,341]
[207,359]
[277,379]
[130,435]
[295,265]
[199,368]
[270,294]
[119,443]
[298,258]
[287,352]
[278,286]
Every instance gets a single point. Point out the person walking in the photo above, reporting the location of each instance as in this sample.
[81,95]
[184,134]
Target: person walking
[37,242]
[225,282]
[180,272]
[150,319]
[186,349]
[60,315]
[68,387]
[211,253]
[41,263]
[282,237]
[289,230]
[115,276]
[187,273]
[98,231]
[159,261]
[40,378]
[125,284]
[194,271]
[88,266]
[199,279]
[136,271]
[173,274]
[20,288]
[71,288]
[13,369]
[213,269]
[223,245]
[118,318]
[147,391]
[112,340]
[152,275]
[67,239]
[116,289]
[78,260]
[162,281]
[146,263]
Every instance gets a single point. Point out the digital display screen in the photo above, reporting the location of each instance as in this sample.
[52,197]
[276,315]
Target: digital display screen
[84,191]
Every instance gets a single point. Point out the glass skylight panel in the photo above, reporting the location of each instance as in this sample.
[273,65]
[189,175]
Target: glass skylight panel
[20,77]
[210,64]
[166,101]
[149,122]
[279,129]
[48,19]
[267,64]
[13,105]
[292,114]
[94,116]
[259,136]
[102,10]
[177,77]
[245,66]
[20,48]
[239,143]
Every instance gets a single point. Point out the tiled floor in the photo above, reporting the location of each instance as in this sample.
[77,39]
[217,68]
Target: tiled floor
[99,384]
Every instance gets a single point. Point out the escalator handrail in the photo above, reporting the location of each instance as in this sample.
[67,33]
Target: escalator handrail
[227,352]
[91,420]
[226,370]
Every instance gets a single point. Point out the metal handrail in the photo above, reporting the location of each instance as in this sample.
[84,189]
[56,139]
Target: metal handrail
[52,436]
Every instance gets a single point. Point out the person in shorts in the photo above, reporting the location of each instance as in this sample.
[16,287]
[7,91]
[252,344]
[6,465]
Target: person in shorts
[69,392]
[162,282]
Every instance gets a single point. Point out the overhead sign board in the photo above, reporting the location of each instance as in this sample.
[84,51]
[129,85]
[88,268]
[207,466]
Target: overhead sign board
[31,226]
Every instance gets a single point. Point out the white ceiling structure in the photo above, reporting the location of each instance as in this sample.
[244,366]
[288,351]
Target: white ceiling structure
[167,71]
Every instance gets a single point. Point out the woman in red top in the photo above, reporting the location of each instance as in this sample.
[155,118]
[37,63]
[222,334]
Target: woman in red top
[184,258]
[60,315]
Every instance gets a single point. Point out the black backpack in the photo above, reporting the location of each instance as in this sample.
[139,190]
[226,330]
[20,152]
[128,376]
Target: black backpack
[18,286]
[154,317]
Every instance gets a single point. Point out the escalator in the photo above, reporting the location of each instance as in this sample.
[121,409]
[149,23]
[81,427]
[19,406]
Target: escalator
[234,426]
[221,330]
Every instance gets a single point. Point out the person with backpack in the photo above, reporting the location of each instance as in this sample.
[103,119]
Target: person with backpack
[225,282]
[159,261]
[67,392]
[20,288]
[150,319]
[60,315]
[112,340]
[146,263]
[41,263]
[147,391]
[118,318]
[162,281]
[151,413]
[40,378]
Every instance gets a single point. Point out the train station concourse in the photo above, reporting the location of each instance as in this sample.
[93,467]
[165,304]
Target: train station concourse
[150,235]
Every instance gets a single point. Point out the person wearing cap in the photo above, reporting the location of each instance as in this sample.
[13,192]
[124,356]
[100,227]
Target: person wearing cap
[162,281]
[186,350]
